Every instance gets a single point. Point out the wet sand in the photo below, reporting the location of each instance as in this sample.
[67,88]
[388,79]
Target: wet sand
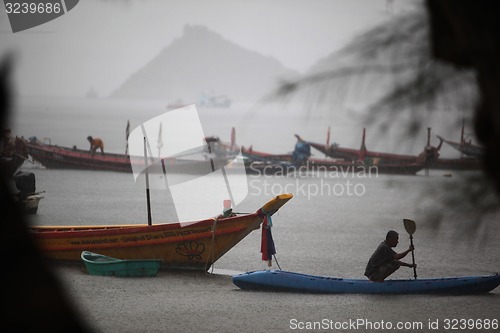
[324,235]
[177,301]
[173,301]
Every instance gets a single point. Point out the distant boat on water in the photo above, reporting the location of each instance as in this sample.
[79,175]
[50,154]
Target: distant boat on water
[428,158]
[466,148]
[214,101]
[363,154]
[60,157]
[252,155]
[176,105]
[300,159]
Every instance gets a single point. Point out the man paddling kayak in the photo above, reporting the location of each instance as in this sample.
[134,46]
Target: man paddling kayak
[385,261]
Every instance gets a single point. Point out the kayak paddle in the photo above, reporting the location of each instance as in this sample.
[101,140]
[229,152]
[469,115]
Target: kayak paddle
[411,227]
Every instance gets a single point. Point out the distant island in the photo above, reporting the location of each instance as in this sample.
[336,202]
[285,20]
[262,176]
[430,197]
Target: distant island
[202,66]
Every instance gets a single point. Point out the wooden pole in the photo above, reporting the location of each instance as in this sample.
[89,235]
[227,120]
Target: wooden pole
[147,183]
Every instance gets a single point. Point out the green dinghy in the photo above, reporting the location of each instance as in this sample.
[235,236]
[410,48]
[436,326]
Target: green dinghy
[98,264]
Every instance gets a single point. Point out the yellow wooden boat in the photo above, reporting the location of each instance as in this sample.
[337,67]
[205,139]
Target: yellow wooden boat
[185,245]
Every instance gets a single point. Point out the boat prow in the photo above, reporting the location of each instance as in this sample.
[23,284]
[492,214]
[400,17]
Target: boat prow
[273,205]
[275,280]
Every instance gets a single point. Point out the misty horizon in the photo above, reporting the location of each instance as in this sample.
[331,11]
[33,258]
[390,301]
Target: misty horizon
[70,56]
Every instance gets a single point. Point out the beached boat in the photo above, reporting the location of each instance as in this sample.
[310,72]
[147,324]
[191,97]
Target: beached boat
[58,157]
[98,264]
[185,245]
[275,280]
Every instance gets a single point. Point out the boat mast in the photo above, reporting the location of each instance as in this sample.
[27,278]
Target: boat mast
[362,150]
[462,140]
[147,183]
[127,133]
[327,141]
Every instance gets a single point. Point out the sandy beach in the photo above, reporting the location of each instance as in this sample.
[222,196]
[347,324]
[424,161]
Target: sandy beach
[177,301]
[171,301]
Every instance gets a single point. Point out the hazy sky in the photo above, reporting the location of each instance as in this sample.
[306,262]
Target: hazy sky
[102,42]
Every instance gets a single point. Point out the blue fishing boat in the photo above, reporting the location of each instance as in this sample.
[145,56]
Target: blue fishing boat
[98,264]
[276,280]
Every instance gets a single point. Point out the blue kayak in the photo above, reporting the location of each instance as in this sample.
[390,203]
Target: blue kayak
[276,280]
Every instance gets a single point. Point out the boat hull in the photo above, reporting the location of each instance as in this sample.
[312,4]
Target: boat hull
[187,245]
[399,164]
[30,204]
[57,157]
[355,154]
[466,164]
[275,280]
[282,164]
[467,148]
[357,167]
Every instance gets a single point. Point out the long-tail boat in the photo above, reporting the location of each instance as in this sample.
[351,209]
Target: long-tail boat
[428,159]
[185,245]
[359,166]
[58,157]
[466,148]
[363,154]
[252,155]
[301,159]
[434,161]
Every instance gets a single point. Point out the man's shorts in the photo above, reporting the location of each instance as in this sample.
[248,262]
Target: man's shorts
[385,270]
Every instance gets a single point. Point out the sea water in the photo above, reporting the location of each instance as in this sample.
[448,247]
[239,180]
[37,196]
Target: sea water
[330,227]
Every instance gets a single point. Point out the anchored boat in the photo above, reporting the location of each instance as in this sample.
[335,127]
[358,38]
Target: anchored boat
[300,160]
[362,154]
[184,245]
[276,280]
[59,157]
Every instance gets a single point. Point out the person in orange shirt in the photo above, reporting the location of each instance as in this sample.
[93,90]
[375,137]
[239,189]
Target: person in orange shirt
[95,144]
